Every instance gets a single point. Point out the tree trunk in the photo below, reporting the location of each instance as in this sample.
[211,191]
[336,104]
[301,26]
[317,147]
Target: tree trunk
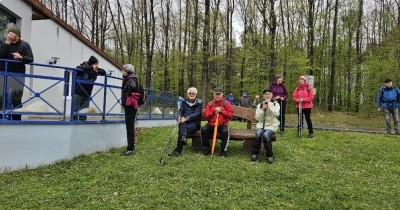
[359,57]
[333,59]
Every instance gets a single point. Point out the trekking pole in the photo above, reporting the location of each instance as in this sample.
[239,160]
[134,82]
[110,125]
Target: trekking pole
[262,137]
[214,139]
[300,121]
[165,151]
[281,118]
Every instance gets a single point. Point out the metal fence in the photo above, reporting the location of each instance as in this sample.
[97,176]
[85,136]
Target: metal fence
[49,94]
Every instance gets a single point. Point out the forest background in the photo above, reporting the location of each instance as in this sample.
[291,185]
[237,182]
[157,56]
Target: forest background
[350,47]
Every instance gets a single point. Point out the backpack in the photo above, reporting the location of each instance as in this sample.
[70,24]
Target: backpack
[143,95]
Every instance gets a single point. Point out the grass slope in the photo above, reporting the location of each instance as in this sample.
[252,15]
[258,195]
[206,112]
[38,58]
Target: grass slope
[331,171]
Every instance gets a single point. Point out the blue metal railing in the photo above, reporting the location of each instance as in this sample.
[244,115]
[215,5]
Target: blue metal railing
[45,92]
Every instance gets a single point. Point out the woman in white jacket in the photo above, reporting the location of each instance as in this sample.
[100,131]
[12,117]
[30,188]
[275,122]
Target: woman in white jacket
[266,114]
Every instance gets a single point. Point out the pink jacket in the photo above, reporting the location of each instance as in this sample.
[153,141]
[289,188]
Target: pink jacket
[306,92]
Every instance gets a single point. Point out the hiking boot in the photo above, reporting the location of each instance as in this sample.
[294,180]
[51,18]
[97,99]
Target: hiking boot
[310,135]
[254,157]
[273,137]
[224,154]
[206,151]
[128,152]
[184,140]
[270,160]
[174,153]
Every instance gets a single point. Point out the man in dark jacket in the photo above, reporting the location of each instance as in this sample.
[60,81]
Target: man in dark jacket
[89,71]
[13,48]
[189,117]
[223,109]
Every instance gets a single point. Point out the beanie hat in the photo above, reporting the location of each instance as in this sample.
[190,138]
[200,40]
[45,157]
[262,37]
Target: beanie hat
[92,60]
[15,30]
[303,78]
[128,68]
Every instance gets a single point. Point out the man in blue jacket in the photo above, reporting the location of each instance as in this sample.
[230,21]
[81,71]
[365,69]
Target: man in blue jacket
[388,97]
[189,117]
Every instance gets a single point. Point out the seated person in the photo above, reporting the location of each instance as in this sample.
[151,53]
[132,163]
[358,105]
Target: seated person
[223,109]
[266,114]
[189,116]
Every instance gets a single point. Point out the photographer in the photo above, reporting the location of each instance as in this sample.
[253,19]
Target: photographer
[83,91]
[266,115]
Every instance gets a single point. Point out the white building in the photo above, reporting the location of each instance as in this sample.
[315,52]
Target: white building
[33,144]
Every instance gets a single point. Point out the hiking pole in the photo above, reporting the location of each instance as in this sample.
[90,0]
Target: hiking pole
[214,139]
[300,121]
[281,117]
[262,137]
[164,153]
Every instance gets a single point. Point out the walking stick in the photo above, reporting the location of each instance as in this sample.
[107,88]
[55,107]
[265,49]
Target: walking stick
[214,139]
[300,125]
[165,151]
[281,118]
[262,137]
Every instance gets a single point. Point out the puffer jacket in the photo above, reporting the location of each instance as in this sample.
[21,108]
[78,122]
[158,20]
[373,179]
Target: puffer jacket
[271,114]
[305,92]
[191,111]
[388,97]
[224,116]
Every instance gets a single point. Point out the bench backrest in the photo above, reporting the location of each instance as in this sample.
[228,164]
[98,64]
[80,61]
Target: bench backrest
[245,113]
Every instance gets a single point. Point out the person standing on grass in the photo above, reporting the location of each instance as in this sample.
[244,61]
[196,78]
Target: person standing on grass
[130,88]
[221,108]
[388,98]
[280,95]
[303,95]
[189,117]
[266,115]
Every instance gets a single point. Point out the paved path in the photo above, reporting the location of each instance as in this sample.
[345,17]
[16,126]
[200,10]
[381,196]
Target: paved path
[344,129]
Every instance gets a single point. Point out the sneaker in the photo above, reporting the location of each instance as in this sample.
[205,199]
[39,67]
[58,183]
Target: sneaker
[174,153]
[206,151]
[184,140]
[254,157]
[273,137]
[270,160]
[310,135]
[128,152]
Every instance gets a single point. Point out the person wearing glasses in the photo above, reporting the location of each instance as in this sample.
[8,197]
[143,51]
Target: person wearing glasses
[189,117]
[221,108]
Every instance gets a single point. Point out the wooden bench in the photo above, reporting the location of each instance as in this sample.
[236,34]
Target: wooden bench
[247,135]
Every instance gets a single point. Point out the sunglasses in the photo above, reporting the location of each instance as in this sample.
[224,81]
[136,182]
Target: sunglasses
[192,93]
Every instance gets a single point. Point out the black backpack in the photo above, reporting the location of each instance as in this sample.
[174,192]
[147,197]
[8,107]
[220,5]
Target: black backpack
[143,95]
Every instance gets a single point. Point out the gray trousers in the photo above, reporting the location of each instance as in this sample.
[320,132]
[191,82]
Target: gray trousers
[395,114]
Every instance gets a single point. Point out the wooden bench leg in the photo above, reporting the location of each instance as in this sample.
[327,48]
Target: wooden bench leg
[248,145]
[196,144]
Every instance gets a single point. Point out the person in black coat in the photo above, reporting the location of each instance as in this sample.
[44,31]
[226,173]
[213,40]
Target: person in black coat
[88,72]
[13,48]
[129,88]
[189,117]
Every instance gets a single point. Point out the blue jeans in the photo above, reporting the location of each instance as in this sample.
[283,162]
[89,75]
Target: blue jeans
[266,136]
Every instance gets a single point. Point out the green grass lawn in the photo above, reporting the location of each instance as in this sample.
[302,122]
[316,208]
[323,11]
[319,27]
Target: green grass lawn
[331,171]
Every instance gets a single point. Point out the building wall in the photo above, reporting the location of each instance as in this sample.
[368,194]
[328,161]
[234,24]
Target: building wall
[23,13]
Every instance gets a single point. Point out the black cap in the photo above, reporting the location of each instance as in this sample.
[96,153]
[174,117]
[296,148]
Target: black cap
[267,90]
[92,60]
[218,90]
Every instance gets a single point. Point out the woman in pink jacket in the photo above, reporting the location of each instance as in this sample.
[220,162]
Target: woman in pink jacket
[303,95]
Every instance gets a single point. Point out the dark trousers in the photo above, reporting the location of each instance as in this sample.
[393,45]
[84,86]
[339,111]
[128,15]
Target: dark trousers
[207,132]
[265,135]
[80,103]
[130,117]
[282,114]
[184,129]
[307,113]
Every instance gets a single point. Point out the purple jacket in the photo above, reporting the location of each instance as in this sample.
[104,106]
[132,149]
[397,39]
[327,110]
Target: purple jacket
[279,90]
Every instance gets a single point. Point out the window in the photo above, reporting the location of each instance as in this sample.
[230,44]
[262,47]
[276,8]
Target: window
[6,20]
